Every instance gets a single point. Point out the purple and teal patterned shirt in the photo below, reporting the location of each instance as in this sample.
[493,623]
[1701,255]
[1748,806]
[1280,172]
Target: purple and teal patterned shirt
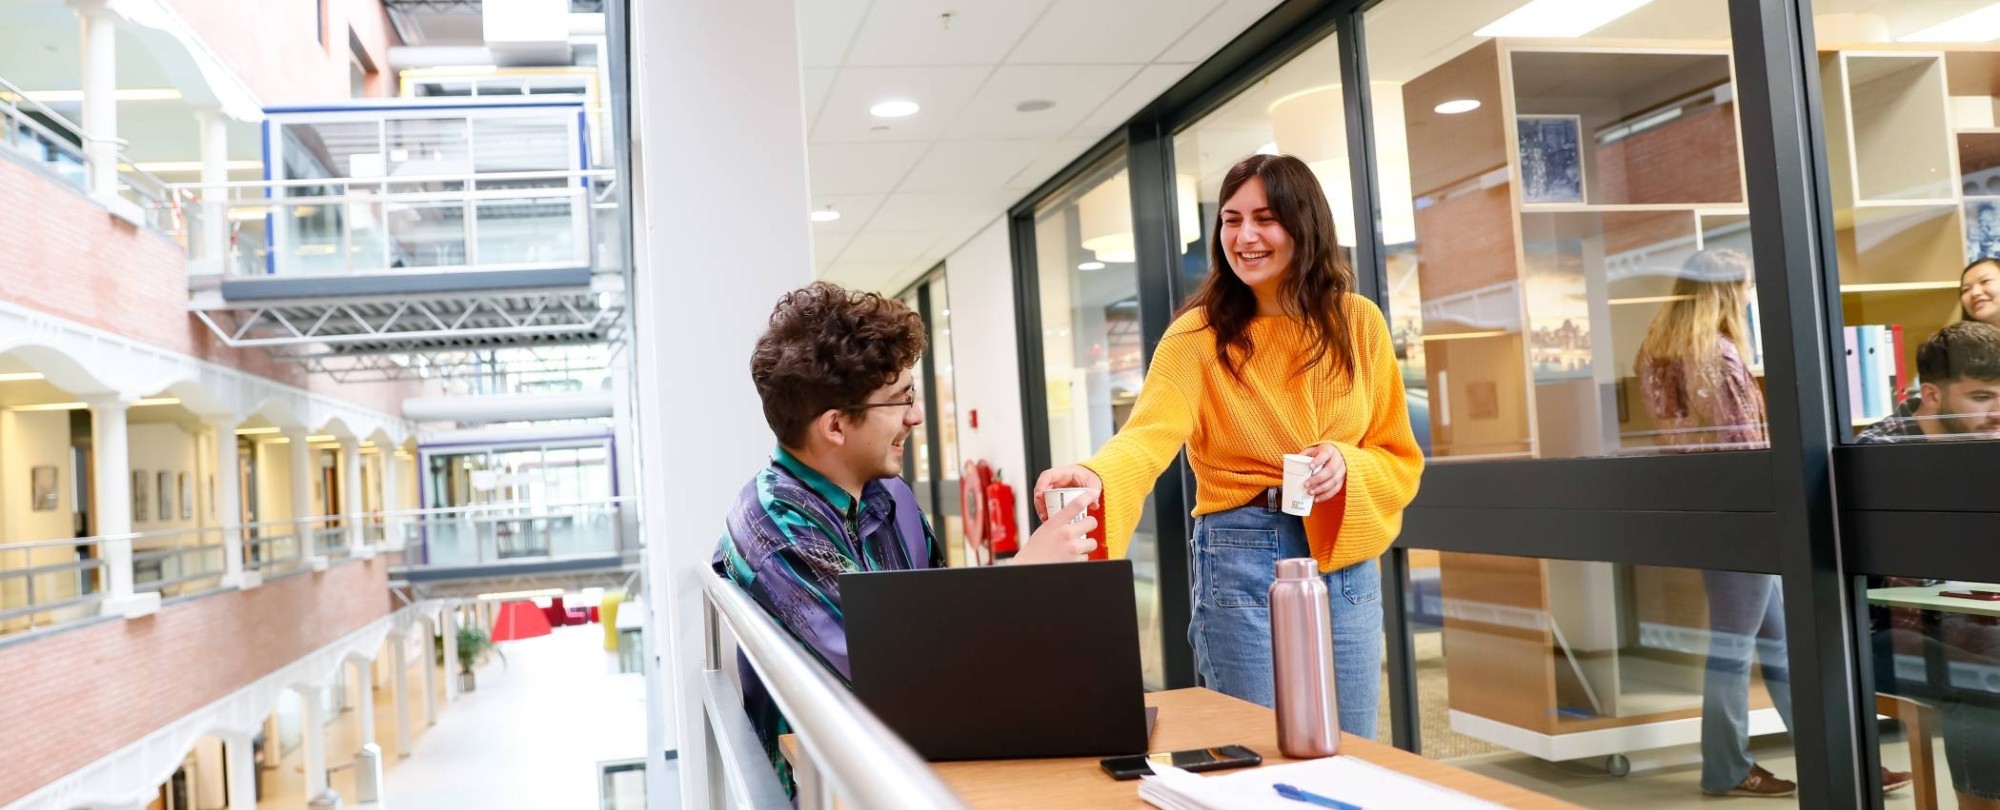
[786,541]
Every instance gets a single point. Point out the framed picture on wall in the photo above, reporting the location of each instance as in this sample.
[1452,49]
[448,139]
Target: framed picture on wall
[166,493]
[1551,158]
[139,495]
[187,497]
[43,481]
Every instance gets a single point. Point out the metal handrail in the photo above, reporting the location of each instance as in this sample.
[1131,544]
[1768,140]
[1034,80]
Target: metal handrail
[459,177]
[153,193]
[864,762]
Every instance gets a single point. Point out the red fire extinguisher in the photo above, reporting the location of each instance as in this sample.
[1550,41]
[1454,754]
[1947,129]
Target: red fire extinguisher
[1001,529]
[972,496]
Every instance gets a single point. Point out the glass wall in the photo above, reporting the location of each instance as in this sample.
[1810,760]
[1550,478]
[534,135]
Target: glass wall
[1935,647]
[1567,237]
[1913,155]
[1092,361]
[1602,684]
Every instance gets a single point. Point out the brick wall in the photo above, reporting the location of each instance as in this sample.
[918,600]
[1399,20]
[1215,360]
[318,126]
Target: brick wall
[1692,160]
[67,256]
[275,47]
[77,696]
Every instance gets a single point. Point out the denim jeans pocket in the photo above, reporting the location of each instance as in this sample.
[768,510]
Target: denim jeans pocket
[1240,564]
[1361,582]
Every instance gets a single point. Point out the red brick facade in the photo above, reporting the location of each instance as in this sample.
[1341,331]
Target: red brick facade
[69,257]
[79,695]
[276,49]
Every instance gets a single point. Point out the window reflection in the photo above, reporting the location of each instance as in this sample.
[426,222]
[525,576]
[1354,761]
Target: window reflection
[1544,201]
[1091,353]
[1913,156]
[1936,648]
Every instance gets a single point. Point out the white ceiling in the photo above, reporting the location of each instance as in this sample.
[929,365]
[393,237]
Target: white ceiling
[912,193]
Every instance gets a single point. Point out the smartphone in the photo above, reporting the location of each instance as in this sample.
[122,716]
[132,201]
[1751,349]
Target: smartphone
[1200,759]
[1983,596]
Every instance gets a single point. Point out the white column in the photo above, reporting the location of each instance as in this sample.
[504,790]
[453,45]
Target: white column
[364,709]
[400,680]
[351,510]
[111,467]
[430,678]
[100,97]
[213,256]
[738,62]
[299,455]
[229,504]
[313,746]
[392,498]
[240,771]
[450,614]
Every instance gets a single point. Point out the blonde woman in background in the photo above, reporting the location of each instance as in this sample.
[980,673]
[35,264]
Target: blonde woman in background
[1698,387]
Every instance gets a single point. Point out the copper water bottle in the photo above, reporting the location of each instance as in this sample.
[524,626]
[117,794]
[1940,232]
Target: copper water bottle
[1302,661]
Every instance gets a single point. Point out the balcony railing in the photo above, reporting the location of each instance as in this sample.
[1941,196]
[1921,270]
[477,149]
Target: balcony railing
[56,148]
[400,224]
[499,533]
[859,761]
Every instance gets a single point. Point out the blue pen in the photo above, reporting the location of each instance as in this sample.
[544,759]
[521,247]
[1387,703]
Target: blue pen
[1296,794]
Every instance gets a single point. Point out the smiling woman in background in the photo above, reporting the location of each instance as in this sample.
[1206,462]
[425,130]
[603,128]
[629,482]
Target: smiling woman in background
[1272,356]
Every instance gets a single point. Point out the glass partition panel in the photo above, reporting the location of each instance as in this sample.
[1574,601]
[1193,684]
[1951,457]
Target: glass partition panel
[1913,152]
[1085,258]
[1601,684]
[1936,654]
[1567,235]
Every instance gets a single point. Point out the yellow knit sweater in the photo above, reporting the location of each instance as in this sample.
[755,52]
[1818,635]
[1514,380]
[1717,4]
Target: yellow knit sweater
[1237,433]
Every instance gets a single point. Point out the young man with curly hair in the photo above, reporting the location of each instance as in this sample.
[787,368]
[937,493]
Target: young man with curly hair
[833,371]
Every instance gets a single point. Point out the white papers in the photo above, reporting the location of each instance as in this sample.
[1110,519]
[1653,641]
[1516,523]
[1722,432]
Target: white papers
[1369,786]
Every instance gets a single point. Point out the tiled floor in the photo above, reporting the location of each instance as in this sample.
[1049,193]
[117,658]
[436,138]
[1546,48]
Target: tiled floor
[528,738]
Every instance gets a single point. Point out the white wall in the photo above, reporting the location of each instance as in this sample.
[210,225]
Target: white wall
[986,368]
[28,440]
[154,449]
[274,476]
[722,232]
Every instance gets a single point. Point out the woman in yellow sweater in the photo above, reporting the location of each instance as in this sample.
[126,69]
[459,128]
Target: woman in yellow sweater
[1272,356]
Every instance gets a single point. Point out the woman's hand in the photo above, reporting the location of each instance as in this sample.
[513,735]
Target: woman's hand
[1073,475]
[1059,539]
[1329,472]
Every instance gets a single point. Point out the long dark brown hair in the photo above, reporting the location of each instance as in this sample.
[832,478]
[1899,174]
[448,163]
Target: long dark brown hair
[1313,289]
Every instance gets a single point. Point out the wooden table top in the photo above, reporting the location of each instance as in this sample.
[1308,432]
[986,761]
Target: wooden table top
[1188,719]
[1925,597]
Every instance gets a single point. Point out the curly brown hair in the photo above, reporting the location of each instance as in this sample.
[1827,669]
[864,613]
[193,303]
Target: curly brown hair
[828,348]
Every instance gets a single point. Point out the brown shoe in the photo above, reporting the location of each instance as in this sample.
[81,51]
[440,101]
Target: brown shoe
[1760,783]
[1893,781]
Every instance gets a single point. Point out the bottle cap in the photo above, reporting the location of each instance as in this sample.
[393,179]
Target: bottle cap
[1298,568]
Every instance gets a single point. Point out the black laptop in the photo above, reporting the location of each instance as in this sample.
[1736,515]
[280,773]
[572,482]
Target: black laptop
[1004,662]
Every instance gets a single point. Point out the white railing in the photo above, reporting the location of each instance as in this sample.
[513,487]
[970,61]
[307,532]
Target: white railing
[857,760]
[49,582]
[339,226]
[56,147]
[501,532]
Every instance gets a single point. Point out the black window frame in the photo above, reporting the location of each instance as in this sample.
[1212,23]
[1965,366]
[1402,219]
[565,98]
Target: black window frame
[1819,513]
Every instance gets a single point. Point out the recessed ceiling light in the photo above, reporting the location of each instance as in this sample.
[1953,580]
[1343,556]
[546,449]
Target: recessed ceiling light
[894,109]
[1457,105]
[1979,26]
[1091,266]
[1034,105]
[826,215]
[1559,18]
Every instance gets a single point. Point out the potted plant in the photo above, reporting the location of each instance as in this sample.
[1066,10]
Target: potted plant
[472,642]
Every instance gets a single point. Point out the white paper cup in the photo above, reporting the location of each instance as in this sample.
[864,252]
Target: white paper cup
[1297,469]
[1060,498]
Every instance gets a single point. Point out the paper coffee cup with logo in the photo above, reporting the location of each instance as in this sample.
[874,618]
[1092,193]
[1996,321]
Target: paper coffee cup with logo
[1060,498]
[1296,501]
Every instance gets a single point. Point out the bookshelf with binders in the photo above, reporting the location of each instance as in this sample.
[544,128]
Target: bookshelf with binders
[1912,150]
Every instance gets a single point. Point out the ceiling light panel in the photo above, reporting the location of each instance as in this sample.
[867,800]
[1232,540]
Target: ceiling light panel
[1559,18]
[941,91]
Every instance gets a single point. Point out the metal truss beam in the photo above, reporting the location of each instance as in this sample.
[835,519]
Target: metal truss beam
[385,324]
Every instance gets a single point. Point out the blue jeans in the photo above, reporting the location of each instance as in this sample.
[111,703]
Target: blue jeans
[1746,621]
[1234,558]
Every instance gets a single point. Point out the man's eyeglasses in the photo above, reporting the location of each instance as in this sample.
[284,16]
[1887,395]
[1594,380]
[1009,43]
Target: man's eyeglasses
[902,403]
